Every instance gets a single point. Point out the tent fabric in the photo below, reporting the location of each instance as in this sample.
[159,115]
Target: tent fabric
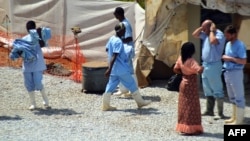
[159,31]
[159,14]
[244,32]
[94,17]
[166,28]
[165,31]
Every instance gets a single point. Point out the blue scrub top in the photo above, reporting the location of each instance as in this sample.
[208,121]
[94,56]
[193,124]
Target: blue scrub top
[39,63]
[237,49]
[115,45]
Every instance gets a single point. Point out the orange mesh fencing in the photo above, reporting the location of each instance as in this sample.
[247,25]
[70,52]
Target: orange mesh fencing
[63,51]
[5,41]
[78,60]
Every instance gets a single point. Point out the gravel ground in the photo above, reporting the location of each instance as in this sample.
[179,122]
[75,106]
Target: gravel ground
[76,116]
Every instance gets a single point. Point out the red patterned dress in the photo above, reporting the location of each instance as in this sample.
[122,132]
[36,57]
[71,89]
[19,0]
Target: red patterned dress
[189,113]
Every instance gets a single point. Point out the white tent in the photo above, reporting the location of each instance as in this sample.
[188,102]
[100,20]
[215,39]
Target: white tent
[169,23]
[94,17]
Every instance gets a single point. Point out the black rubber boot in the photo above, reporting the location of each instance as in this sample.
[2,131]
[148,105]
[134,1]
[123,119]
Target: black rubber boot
[220,114]
[210,106]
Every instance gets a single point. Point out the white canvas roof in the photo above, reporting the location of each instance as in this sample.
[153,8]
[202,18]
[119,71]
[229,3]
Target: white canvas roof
[169,23]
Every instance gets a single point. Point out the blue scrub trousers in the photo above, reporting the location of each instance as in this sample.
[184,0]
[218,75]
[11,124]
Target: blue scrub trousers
[126,80]
[235,87]
[33,80]
[211,79]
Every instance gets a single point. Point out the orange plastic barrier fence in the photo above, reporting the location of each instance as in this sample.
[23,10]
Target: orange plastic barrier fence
[70,59]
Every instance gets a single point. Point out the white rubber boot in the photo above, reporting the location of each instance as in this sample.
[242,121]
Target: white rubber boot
[233,117]
[32,100]
[106,102]
[239,119]
[139,100]
[122,90]
[239,116]
[45,99]
[128,94]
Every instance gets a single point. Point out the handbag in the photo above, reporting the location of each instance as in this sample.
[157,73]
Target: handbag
[173,82]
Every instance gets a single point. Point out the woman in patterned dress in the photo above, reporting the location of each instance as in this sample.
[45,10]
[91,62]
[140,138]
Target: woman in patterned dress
[189,113]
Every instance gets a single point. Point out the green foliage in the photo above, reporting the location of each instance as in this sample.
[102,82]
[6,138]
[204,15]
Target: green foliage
[140,2]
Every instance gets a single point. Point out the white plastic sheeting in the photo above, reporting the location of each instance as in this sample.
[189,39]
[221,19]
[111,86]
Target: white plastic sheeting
[164,10]
[94,17]
[166,28]
[165,24]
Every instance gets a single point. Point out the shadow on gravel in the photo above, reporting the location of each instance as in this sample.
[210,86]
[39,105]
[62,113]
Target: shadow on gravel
[10,118]
[247,120]
[152,98]
[93,92]
[158,84]
[211,135]
[49,112]
[142,111]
